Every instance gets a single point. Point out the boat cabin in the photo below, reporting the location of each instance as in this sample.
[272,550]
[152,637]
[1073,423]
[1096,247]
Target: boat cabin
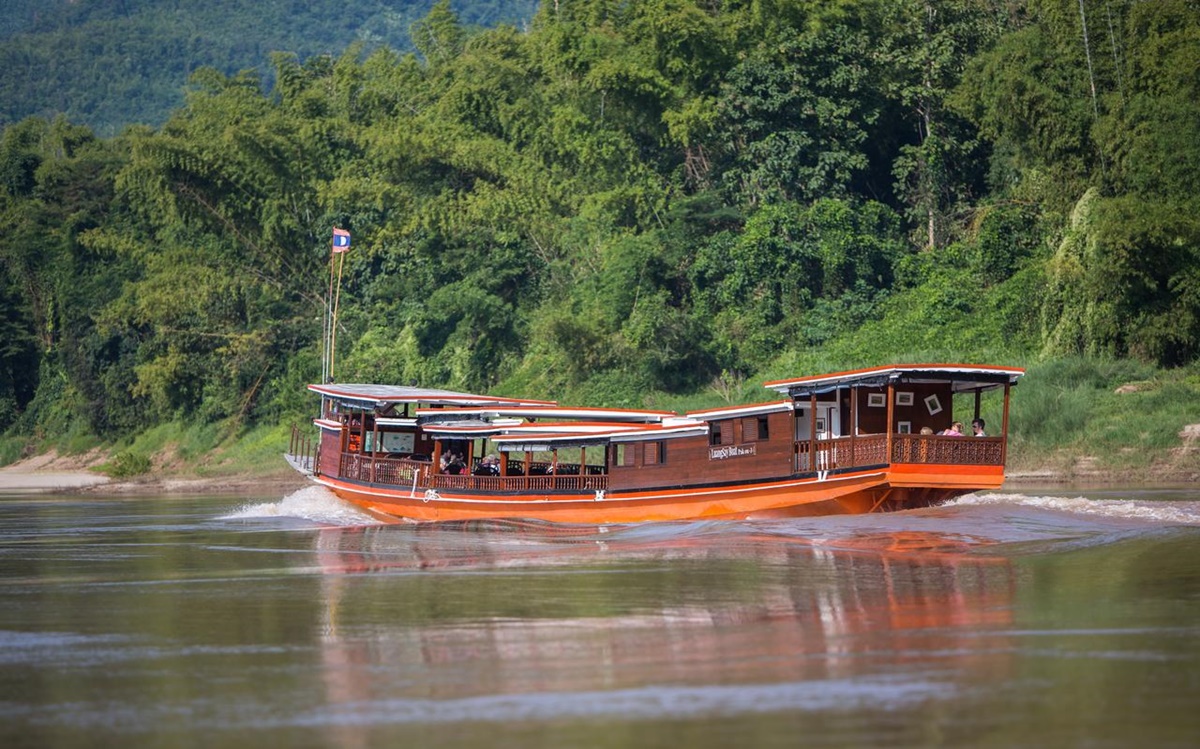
[428,439]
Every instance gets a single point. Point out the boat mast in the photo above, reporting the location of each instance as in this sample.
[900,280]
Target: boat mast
[338,249]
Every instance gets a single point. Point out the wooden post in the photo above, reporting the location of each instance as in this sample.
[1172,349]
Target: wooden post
[374,441]
[812,433]
[853,424]
[1004,427]
[978,396]
[437,456]
[891,405]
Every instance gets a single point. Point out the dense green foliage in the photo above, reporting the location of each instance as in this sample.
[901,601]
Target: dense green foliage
[622,204]
[110,64]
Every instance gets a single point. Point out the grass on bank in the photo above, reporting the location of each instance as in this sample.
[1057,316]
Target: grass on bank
[173,449]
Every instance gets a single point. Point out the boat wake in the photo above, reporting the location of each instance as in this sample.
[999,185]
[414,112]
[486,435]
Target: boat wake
[1156,512]
[313,503]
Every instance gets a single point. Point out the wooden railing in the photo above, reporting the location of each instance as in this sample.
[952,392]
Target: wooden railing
[552,483]
[924,448]
[382,470]
[302,450]
[871,450]
[841,453]
[419,474]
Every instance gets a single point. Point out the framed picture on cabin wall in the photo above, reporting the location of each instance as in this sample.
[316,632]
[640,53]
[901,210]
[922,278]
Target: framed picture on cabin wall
[904,427]
[933,404]
[877,400]
[904,398]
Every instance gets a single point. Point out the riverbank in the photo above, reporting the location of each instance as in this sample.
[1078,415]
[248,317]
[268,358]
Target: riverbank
[51,473]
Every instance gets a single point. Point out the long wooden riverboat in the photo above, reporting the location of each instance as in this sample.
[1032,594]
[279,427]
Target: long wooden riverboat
[842,443]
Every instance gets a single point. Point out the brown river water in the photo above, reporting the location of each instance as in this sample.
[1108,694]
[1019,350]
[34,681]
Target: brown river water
[1044,618]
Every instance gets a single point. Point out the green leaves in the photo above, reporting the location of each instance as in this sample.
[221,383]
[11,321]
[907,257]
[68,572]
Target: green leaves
[795,116]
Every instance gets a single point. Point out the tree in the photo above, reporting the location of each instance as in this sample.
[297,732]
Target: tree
[925,48]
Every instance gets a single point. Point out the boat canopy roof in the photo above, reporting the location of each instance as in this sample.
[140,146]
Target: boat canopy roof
[478,428]
[962,378]
[383,395]
[733,412]
[550,411]
[530,438]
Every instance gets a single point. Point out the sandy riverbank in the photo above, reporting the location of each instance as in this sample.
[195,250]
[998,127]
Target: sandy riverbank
[50,473]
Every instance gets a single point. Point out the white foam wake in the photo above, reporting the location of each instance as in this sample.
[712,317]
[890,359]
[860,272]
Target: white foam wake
[315,503]
[1162,512]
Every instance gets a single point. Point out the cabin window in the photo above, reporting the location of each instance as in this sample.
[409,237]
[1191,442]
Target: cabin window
[754,429]
[655,453]
[623,455]
[715,437]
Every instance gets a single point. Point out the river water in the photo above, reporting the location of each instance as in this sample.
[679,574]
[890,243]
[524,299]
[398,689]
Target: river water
[1050,618]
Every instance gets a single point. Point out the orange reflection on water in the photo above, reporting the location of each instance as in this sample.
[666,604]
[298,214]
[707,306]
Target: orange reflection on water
[725,609]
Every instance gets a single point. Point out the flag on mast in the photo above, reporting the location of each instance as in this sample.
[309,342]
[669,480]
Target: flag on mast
[341,240]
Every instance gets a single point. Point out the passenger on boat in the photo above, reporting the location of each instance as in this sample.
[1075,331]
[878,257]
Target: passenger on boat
[955,430]
[926,430]
[977,427]
[489,466]
[452,464]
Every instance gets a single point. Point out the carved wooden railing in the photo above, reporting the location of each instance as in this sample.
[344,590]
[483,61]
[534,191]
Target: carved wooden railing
[566,483]
[841,453]
[830,454]
[419,474]
[924,448]
[382,470]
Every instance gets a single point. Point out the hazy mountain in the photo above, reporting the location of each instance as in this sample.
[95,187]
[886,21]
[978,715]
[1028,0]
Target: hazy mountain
[109,63]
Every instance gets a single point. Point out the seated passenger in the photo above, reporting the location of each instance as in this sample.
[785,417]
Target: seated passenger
[955,430]
[926,430]
[977,428]
[452,464]
[489,466]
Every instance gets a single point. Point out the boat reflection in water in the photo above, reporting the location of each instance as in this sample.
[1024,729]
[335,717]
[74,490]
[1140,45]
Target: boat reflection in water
[507,621]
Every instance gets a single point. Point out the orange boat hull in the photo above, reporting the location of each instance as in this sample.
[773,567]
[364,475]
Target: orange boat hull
[897,487]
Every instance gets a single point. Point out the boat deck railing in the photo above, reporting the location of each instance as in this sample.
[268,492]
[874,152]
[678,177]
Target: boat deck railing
[302,451]
[520,484]
[420,474]
[383,469]
[870,450]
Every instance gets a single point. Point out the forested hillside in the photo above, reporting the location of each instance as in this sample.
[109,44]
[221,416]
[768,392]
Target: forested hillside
[625,201]
[110,64]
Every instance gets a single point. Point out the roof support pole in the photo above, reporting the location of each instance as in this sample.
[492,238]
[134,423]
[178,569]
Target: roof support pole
[853,423]
[374,442]
[1004,427]
[978,397]
[812,432]
[891,405]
